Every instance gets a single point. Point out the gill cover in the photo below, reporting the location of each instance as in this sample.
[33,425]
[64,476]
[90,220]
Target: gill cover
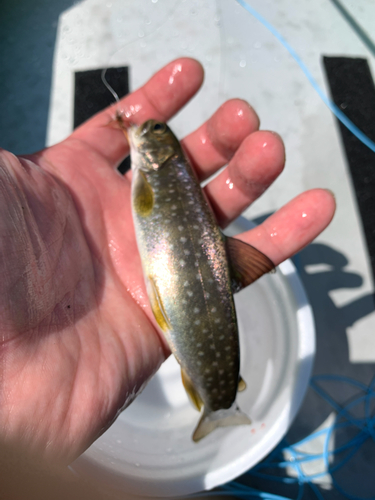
[152,144]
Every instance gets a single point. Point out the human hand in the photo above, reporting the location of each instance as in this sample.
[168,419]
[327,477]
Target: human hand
[78,339]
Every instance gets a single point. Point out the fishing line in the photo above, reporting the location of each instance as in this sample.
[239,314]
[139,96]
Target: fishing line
[331,105]
[104,71]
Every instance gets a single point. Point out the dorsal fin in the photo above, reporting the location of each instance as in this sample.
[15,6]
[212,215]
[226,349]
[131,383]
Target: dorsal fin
[247,264]
[191,391]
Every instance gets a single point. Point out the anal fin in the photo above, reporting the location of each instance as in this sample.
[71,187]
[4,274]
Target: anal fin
[191,391]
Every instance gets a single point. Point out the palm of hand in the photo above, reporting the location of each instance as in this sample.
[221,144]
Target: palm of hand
[78,339]
[73,297]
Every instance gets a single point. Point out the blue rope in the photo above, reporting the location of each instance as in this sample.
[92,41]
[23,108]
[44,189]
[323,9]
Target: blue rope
[331,105]
[276,459]
[344,418]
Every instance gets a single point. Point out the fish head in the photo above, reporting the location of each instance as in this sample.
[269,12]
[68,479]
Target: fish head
[152,144]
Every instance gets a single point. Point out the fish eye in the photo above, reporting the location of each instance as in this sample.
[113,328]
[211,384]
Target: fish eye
[159,128]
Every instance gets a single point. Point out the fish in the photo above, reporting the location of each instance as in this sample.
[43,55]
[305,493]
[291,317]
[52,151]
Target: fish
[191,272]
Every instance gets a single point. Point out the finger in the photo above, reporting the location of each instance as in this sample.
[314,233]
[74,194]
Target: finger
[160,98]
[256,164]
[294,226]
[214,143]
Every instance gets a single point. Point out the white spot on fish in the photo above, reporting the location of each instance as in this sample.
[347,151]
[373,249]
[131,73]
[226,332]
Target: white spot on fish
[227,348]
[180,228]
[187,252]
[174,207]
[215,363]
[183,239]
[221,371]
[217,320]
[196,310]
[207,370]
[207,295]
[210,378]
[186,283]
[191,202]
[168,199]
[182,263]
[171,191]
[213,310]
[171,246]
[198,276]
[189,293]
[197,322]
[218,355]
[199,363]
[222,337]
[205,330]
[200,353]
[195,226]
[199,344]
[184,301]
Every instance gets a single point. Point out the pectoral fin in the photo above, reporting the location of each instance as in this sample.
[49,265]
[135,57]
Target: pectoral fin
[143,195]
[246,262]
[191,391]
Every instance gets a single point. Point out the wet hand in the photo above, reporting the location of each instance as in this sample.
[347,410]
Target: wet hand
[78,339]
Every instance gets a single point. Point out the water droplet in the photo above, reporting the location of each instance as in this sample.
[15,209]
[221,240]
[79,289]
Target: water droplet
[141,34]
[243,63]
[257,45]
[148,21]
[154,1]
[229,183]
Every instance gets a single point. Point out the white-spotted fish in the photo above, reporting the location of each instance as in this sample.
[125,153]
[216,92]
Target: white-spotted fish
[191,271]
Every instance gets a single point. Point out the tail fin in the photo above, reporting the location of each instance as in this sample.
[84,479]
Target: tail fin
[221,418]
